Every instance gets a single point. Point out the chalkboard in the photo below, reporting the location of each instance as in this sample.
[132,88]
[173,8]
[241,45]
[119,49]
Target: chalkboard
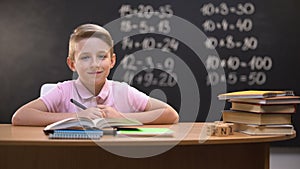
[184,53]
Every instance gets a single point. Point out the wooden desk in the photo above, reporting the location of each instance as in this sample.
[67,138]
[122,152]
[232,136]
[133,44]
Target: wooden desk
[28,147]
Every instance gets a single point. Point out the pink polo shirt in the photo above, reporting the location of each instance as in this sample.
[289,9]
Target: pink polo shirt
[120,96]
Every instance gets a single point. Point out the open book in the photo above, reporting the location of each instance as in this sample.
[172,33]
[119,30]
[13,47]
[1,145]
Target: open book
[86,123]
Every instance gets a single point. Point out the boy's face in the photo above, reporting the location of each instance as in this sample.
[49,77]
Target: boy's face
[92,61]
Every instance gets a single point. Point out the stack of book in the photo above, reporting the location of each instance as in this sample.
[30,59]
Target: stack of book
[261,112]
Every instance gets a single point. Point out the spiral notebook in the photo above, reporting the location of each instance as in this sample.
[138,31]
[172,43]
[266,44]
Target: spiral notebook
[76,134]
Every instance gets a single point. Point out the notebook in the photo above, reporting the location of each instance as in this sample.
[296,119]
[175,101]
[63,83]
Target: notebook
[145,132]
[76,134]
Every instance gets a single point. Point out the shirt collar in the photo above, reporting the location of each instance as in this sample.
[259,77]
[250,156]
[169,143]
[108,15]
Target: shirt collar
[104,91]
[84,93]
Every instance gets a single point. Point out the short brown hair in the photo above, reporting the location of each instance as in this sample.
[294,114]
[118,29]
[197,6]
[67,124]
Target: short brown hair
[87,31]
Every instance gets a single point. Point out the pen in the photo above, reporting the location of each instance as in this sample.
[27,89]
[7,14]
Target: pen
[78,104]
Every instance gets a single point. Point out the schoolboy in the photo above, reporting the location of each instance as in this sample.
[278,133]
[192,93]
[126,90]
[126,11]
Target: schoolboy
[91,56]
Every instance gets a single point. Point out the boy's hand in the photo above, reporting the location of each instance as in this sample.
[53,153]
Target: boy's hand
[110,112]
[92,113]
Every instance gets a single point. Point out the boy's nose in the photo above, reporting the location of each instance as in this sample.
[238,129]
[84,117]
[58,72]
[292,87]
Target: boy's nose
[96,62]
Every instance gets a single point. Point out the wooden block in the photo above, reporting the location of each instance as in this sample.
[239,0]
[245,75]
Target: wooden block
[222,130]
[219,128]
[210,129]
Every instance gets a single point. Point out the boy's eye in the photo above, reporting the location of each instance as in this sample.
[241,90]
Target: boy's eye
[84,57]
[101,56]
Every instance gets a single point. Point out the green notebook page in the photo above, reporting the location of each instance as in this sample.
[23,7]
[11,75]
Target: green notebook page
[145,132]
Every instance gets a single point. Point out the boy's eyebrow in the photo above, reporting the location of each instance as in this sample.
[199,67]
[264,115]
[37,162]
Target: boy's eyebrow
[83,53]
[99,52]
[103,52]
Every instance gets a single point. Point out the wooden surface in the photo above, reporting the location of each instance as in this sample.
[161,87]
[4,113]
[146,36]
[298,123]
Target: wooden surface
[28,147]
[185,134]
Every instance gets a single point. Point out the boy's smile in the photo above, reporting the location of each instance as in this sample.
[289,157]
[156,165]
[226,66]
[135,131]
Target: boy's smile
[95,72]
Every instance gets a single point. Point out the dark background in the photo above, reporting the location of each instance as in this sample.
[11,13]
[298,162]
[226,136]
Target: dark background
[34,46]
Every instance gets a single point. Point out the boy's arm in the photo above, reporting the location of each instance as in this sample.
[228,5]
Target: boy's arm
[35,113]
[156,112]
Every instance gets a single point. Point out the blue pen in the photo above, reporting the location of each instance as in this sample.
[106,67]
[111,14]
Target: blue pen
[78,104]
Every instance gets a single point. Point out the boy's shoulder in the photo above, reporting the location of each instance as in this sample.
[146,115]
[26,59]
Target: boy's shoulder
[66,85]
[116,83]
[122,87]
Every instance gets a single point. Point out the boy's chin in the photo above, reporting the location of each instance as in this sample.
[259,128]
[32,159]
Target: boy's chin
[96,82]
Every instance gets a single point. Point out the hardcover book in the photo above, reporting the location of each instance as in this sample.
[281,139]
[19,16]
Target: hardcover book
[256,118]
[254,94]
[265,129]
[263,108]
[269,100]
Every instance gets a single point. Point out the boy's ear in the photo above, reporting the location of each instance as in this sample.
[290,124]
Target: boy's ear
[113,60]
[71,64]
